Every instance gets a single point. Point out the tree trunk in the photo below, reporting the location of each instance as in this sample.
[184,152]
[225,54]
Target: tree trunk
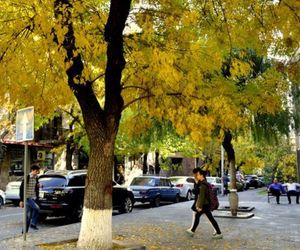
[96,225]
[145,165]
[233,197]
[101,123]
[70,144]
[69,153]
[156,164]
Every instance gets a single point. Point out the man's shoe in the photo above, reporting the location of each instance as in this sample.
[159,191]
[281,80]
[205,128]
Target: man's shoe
[34,227]
[190,233]
[217,236]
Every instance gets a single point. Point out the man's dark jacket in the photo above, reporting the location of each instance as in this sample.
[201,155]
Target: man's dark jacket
[36,188]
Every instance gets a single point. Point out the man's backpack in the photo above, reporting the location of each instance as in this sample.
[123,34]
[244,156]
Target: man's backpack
[213,198]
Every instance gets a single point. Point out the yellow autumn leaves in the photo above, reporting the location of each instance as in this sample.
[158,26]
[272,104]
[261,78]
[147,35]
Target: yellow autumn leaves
[174,56]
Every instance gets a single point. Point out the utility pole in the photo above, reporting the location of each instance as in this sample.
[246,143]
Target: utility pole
[298,154]
[296,115]
[222,168]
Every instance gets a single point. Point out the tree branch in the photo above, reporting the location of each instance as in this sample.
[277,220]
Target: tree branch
[227,26]
[137,99]
[119,11]
[98,77]
[293,10]
[134,87]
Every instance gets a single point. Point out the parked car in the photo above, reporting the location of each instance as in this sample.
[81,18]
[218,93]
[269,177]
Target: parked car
[2,198]
[261,181]
[12,191]
[239,185]
[62,194]
[154,189]
[216,182]
[251,181]
[185,184]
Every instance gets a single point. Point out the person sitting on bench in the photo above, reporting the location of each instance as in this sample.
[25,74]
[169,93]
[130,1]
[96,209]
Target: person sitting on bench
[276,189]
[292,190]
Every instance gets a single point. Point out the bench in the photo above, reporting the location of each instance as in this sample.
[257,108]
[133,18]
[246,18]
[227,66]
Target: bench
[270,196]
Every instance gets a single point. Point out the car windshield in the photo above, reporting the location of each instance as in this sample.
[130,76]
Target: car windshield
[143,182]
[177,180]
[53,181]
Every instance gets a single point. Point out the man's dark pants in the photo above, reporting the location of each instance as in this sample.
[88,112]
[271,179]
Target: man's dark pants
[276,193]
[32,215]
[293,193]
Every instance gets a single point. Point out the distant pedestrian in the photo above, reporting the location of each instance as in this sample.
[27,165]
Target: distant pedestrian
[225,182]
[202,205]
[32,195]
[293,189]
[276,189]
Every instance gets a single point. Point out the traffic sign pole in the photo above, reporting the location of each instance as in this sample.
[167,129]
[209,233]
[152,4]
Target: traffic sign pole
[25,133]
[25,191]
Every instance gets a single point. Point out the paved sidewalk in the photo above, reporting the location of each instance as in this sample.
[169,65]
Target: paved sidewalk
[273,227]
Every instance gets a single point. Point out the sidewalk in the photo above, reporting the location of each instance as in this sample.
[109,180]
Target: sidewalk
[273,227]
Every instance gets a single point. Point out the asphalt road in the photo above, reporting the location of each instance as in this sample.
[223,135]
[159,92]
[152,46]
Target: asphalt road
[274,227]
[11,217]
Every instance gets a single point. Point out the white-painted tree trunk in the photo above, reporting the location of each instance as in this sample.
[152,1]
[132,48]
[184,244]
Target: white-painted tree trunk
[96,230]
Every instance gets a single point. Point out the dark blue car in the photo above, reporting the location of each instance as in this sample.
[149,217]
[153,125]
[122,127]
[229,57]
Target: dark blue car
[154,189]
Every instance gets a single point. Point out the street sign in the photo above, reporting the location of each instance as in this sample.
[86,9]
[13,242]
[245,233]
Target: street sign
[25,124]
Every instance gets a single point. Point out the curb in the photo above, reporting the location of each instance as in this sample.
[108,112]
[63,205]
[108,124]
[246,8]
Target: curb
[240,209]
[227,214]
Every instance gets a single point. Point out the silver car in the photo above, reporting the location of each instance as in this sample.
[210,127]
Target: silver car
[12,191]
[2,198]
[185,184]
[216,182]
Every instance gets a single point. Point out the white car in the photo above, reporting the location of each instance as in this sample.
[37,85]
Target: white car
[12,191]
[216,182]
[185,184]
[2,198]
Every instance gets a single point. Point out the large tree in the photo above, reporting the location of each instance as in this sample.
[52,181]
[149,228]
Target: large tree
[53,52]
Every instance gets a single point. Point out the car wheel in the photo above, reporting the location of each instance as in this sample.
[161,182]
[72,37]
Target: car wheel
[1,202]
[76,214]
[189,195]
[127,206]
[177,198]
[16,203]
[42,217]
[156,202]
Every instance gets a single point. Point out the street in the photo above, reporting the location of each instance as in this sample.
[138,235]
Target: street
[273,226]
[11,219]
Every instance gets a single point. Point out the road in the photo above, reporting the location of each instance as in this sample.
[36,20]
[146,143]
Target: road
[11,217]
[11,220]
[274,227]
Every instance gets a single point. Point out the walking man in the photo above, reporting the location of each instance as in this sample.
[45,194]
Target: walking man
[32,195]
[202,205]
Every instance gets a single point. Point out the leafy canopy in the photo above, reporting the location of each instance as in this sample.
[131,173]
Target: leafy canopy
[175,51]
